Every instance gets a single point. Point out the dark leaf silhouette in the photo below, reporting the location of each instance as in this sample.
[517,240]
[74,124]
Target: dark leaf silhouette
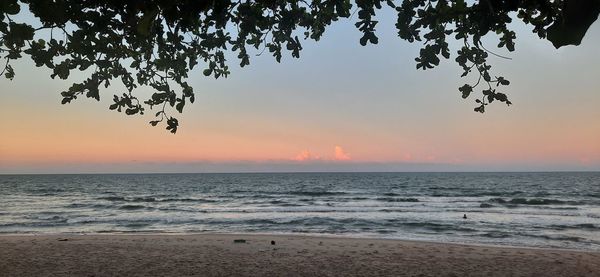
[158,43]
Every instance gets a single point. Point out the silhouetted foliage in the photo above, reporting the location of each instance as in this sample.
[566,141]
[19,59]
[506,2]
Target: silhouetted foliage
[157,42]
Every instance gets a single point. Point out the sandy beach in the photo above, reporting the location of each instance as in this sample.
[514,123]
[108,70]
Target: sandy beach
[220,255]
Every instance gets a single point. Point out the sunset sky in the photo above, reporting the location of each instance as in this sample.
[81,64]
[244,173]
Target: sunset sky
[340,107]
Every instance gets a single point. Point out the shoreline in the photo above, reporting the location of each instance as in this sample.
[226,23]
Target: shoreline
[302,235]
[215,254]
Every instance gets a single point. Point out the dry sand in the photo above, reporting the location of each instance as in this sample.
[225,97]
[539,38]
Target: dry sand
[218,255]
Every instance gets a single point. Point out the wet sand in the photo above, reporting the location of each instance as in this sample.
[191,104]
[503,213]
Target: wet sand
[219,255]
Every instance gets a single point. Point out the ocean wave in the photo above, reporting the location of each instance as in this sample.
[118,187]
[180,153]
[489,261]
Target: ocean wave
[474,193]
[437,227]
[277,202]
[329,221]
[151,199]
[534,201]
[134,207]
[136,224]
[556,237]
[256,193]
[54,218]
[587,226]
[501,193]
[177,209]
[200,200]
[88,205]
[77,205]
[253,221]
[285,211]
[46,192]
[133,222]
[317,193]
[496,234]
[125,231]
[290,205]
[142,199]
[584,226]
[393,199]
[273,203]
[356,198]
[34,224]
[324,222]
[112,198]
[562,208]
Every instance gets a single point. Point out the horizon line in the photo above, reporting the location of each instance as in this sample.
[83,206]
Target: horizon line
[300,172]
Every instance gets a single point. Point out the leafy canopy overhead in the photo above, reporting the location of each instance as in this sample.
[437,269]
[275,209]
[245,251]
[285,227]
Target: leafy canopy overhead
[157,43]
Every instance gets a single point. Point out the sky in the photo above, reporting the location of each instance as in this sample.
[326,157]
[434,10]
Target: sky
[340,107]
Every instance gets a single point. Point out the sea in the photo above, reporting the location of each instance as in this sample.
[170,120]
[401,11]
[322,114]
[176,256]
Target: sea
[549,210]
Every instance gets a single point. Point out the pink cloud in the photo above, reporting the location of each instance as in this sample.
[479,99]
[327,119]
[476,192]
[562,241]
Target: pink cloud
[340,155]
[306,156]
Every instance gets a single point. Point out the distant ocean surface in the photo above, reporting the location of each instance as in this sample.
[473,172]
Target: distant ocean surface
[521,209]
